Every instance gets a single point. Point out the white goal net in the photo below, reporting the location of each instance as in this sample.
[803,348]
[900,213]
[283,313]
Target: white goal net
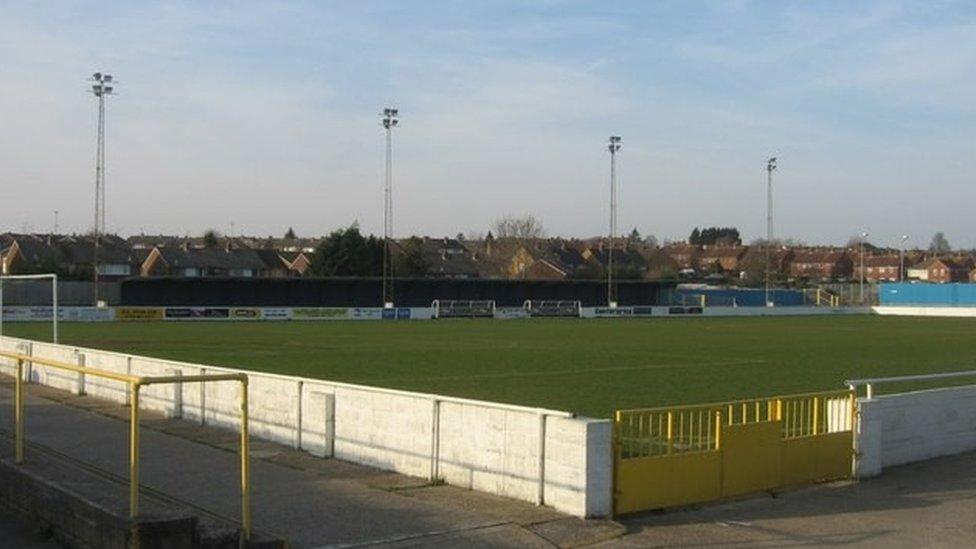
[444,308]
[537,307]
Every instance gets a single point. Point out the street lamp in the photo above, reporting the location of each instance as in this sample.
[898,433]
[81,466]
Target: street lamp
[901,259]
[770,166]
[390,119]
[864,236]
[102,85]
[613,145]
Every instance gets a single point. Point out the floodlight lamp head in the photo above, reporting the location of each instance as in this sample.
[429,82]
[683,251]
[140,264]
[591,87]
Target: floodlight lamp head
[108,77]
[97,77]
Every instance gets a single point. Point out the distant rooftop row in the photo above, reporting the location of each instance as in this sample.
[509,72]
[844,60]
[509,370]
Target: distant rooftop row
[72,256]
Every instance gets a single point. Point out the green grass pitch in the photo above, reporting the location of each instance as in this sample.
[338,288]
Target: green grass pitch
[585,366]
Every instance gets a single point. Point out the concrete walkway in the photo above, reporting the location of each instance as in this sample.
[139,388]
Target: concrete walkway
[927,504]
[309,501]
[316,502]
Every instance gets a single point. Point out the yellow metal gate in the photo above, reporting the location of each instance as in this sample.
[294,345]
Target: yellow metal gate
[664,457]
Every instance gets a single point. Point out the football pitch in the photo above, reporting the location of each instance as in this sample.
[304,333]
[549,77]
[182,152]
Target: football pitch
[585,366]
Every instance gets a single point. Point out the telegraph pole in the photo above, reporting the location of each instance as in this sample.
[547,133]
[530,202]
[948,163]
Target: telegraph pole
[613,145]
[390,120]
[770,166]
[102,85]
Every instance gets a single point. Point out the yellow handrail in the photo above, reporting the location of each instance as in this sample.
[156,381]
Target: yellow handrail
[838,392]
[135,383]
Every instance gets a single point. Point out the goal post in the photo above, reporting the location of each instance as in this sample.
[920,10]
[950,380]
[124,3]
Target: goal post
[553,308]
[467,308]
[54,298]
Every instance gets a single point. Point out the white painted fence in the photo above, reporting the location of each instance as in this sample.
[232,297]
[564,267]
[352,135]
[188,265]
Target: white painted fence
[542,456]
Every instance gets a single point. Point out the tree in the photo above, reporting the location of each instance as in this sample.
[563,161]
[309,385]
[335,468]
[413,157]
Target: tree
[940,244]
[715,236]
[211,238]
[290,234]
[520,228]
[650,241]
[346,252]
[410,262]
[634,238]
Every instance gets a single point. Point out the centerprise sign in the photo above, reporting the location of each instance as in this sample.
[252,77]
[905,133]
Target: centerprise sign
[319,313]
[612,312]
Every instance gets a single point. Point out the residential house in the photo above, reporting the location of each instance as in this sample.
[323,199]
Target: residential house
[279,264]
[684,255]
[722,258]
[447,258]
[821,264]
[113,254]
[200,262]
[942,270]
[29,254]
[627,261]
[752,266]
[879,268]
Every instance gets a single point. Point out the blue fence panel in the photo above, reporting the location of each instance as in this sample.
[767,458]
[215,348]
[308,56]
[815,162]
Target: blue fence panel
[929,295]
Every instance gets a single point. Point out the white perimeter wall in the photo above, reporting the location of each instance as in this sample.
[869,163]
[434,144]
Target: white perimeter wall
[925,311]
[541,456]
[908,427]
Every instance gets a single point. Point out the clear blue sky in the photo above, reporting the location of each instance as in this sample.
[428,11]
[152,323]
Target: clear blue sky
[265,115]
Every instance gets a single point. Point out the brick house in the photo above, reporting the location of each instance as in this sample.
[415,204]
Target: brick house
[821,265]
[879,268]
[200,262]
[729,258]
[943,270]
[685,256]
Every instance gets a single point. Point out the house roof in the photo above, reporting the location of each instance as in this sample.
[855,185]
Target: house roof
[719,252]
[882,261]
[111,249]
[34,249]
[212,258]
[447,257]
[818,256]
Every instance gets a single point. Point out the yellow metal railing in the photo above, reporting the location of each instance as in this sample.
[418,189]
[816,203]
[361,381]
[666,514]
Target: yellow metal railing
[675,430]
[135,383]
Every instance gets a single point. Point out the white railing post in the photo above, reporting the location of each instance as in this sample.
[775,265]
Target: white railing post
[177,394]
[81,375]
[541,496]
[330,424]
[203,398]
[298,416]
[435,436]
